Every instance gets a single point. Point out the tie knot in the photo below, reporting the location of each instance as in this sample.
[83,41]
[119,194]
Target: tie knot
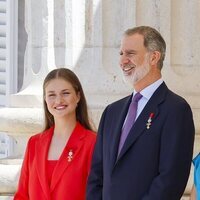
[137,97]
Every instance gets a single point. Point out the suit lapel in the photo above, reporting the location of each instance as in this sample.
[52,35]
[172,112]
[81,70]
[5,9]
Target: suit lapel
[116,130]
[140,126]
[72,148]
[41,156]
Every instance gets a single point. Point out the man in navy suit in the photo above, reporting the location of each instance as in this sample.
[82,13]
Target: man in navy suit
[154,161]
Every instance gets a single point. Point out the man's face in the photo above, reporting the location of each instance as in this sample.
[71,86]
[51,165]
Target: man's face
[134,58]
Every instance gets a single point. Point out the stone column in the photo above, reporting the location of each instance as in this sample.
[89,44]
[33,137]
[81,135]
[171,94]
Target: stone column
[97,65]
[182,72]
[39,53]
[185,46]
[84,35]
[148,13]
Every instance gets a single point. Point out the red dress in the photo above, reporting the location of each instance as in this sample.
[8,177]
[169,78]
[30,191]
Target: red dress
[51,164]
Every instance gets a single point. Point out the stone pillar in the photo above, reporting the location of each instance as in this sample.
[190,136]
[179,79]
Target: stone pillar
[97,65]
[63,33]
[39,53]
[185,46]
[148,13]
[84,35]
[182,71]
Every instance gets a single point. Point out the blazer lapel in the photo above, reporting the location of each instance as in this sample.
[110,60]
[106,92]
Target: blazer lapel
[140,125]
[70,152]
[41,156]
[116,130]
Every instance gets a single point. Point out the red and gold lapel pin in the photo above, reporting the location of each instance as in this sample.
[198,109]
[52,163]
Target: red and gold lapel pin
[70,155]
[148,124]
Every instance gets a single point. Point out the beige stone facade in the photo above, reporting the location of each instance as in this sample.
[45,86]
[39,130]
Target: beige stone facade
[84,35]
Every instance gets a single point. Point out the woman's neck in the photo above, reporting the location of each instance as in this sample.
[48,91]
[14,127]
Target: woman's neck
[62,132]
[64,127]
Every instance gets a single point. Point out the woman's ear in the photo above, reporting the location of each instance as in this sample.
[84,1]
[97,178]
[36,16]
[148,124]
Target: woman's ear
[155,57]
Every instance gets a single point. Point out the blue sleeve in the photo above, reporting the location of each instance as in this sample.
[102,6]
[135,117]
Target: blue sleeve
[196,162]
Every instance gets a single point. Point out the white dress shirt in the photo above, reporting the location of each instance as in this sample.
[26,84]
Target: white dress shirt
[146,95]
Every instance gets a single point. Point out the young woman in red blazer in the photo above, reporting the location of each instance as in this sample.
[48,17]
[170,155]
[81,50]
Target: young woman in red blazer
[57,161]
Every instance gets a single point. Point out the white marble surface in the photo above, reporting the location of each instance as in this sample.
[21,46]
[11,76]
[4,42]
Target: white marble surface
[9,175]
[85,36]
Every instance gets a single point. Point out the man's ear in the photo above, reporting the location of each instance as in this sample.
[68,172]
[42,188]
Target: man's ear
[154,58]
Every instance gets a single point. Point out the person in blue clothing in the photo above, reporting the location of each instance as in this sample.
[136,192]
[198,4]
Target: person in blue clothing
[195,194]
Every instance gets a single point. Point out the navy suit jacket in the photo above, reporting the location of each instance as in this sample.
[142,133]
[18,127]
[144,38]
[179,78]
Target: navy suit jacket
[154,163]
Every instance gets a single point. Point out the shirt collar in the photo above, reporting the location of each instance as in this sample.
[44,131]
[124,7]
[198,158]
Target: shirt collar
[149,90]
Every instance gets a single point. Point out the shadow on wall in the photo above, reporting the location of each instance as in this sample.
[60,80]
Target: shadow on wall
[22,41]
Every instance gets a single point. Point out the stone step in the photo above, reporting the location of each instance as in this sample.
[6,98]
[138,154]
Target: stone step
[6,197]
[9,175]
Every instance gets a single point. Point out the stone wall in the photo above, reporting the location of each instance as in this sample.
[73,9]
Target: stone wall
[84,35]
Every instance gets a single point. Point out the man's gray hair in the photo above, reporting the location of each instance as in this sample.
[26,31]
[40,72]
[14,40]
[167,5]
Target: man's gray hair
[153,40]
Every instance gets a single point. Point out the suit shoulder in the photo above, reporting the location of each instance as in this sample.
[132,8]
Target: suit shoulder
[119,102]
[176,99]
[176,102]
[35,137]
[38,136]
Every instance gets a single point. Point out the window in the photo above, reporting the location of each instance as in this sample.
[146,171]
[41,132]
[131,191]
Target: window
[8,49]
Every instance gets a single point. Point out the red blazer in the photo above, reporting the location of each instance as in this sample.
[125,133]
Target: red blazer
[69,177]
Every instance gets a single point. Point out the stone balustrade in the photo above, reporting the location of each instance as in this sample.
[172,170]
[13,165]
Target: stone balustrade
[84,36]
